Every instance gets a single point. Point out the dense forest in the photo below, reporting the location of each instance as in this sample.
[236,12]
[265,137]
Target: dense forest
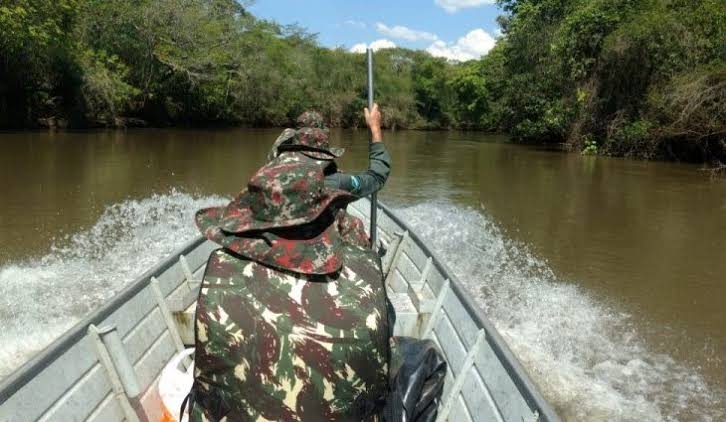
[643,78]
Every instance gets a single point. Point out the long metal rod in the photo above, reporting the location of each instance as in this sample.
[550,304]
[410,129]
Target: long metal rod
[374,196]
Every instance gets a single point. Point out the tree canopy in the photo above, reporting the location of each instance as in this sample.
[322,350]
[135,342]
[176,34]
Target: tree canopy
[192,62]
[643,78]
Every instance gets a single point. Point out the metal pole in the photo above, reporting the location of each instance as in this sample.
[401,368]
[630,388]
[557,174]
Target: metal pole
[374,196]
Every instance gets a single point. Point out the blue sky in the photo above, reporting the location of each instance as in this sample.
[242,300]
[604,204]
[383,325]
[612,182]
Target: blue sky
[456,29]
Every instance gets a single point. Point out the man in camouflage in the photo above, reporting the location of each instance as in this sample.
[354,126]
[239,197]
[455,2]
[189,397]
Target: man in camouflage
[311,140]
[291,319]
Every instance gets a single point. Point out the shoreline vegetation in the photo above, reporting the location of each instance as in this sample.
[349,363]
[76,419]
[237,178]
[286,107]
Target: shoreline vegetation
[635,78]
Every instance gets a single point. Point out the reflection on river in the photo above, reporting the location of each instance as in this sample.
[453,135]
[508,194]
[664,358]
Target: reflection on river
[605,275]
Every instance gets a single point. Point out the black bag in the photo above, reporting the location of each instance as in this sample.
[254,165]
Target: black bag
[417,375]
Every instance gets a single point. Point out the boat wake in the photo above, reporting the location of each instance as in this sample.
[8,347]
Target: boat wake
[42,298]
[590,360]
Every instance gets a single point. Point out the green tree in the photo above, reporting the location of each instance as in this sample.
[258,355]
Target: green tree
[36,67]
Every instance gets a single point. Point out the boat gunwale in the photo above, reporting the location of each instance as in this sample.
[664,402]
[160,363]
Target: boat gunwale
[35,365]
[529,390]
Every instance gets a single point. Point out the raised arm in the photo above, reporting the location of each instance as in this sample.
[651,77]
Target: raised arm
[379,163]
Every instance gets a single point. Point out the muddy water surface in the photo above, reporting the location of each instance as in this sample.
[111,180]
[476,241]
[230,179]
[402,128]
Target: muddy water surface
[606,276]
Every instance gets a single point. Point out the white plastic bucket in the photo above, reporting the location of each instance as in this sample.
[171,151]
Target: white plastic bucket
[174,385]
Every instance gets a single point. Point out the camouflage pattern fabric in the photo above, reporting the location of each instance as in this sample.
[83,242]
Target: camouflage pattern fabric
[289,190]
[352,230]
[310,119]
[272,345]
[311,138]
[313,248]
[313,142]
[286,192]
[285,136]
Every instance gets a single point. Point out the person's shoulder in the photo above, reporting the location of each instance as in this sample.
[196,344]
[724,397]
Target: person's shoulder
[223,256]
[224,266]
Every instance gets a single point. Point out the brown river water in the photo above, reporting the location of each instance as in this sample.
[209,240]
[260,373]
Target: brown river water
[606,276]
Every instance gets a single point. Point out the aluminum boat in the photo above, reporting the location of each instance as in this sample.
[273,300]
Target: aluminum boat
[108,366]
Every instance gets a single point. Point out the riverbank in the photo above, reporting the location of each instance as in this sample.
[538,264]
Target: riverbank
[641,78]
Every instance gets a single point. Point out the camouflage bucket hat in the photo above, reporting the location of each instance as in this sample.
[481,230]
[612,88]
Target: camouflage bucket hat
[284,137]
[310,119]
[311,138]
[313,248]
[283,218]
[283,193]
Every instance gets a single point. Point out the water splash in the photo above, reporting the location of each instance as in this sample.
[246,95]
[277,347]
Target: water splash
[40,299]
[590,360]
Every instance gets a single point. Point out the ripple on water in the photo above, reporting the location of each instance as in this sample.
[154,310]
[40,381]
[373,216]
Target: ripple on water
[42,298]
[589,359]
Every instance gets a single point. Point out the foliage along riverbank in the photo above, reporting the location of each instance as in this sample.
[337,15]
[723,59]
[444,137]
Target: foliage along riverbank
[643,78]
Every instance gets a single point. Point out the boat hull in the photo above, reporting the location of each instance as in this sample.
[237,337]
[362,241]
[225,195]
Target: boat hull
[107,367]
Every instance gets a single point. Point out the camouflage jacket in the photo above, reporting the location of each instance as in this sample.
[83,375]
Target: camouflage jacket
[274,345]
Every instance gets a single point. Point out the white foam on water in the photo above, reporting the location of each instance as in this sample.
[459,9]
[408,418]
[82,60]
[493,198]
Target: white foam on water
[589,359]
[42,298]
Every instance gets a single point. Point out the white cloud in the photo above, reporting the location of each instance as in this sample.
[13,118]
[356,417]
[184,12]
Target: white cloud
[471,46]
[381,44]
[359,48]
[402,32]
[356,24]
[375,45]
[453,6]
